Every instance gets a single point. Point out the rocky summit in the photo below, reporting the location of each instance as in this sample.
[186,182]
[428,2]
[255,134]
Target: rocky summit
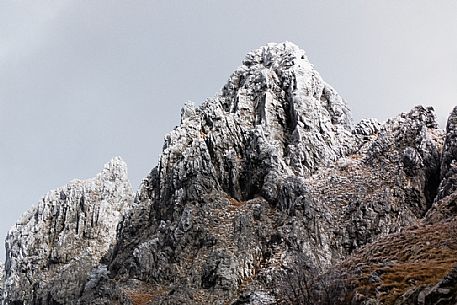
[56,246]
[267,193]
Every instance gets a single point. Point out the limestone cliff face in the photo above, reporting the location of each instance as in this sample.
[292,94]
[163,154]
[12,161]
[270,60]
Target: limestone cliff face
[417,265]
[55,245]
[265,180]
[267,193]
[449,166]
[227,168]
[275,117]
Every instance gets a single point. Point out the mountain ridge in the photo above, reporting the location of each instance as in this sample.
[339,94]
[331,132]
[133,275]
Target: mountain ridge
[263,188]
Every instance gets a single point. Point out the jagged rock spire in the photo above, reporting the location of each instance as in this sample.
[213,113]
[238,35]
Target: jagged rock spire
[265,174]
[54,246]
[449,161]
[274,118]
[261,187]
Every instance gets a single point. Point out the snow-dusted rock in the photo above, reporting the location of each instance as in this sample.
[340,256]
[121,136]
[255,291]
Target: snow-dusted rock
[449,163]
[259,193]
[445,206]
[54,246]
[367,127]
[275,117]
[267,172]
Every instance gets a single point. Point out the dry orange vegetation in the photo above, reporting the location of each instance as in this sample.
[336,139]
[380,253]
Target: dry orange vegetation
[143,296]
[417,257]
[140,298]
[235,202]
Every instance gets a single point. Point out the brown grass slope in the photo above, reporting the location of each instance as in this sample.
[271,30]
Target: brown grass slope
[401,268]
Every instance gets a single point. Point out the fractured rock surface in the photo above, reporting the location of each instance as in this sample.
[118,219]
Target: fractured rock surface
[269,173]
[275,120]
[261,195]
[449,163]
[55,245]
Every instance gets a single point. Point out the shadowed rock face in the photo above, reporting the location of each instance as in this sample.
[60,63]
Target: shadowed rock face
[449,166]
[445,205]
[268,173]
[260,191]
[54,246]
[274,121]
[275,117]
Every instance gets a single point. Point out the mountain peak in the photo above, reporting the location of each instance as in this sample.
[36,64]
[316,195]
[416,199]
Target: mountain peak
[275,111]
[261,195]
[282,69]
[71,228]
[277,55]
[115,169]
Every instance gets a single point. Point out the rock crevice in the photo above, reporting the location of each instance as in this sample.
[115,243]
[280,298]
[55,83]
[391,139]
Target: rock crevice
[260,191]
[55,245]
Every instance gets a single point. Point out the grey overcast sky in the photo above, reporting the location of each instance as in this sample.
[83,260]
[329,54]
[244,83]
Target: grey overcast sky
[82,81]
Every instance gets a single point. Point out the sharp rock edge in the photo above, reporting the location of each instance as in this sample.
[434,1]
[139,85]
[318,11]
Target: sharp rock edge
[449,165]
[260,192]
[55,245]
[269,175]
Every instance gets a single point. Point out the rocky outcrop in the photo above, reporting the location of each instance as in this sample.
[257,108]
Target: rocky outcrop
[274,118]
[265,194]
[444,292]
[418,265]
[53,248]
[227,166]
[269,173]
[449,165]
[415,266]
[445,205]
[2,280]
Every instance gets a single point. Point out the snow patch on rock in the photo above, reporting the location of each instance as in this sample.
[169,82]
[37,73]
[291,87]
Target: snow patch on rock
[54,245]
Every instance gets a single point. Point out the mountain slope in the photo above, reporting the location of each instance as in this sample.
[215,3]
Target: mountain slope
[265,194]
[269,173]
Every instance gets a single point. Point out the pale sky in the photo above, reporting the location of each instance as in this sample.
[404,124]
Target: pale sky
[82,81]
